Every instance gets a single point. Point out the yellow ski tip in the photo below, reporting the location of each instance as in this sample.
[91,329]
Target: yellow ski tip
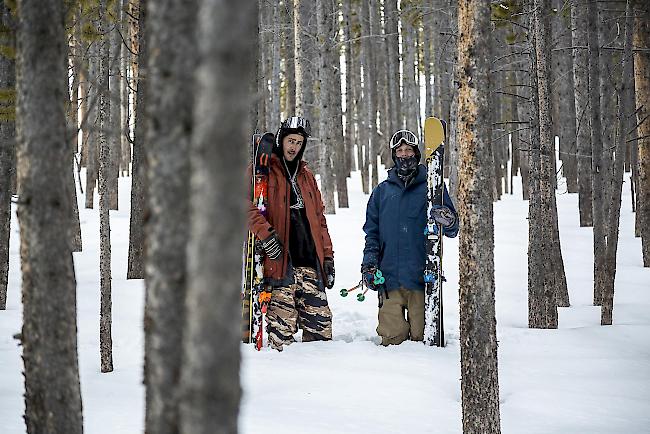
[434,135]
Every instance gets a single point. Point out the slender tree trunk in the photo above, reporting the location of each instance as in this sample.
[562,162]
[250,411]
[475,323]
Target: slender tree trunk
[479,374]
[171,90]
[7,145]
[564,118]
[324,103]
[125,93]
[289,68]
[210,388]
[91,125]
[581,103]
[392,43]
[543,285]
[135,268]
[340,166]
[275,66]
[49,334]
[297,58]
[105,320]
[626,123]
[642,84]
[597,184]
[411,103]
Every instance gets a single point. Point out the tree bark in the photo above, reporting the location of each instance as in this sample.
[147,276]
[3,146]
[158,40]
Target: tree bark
[210,388]
[49,334]
[626,122]
[169,112]
[297,58]
[135,268]
[324,103]
[642,85]
[597,169]
[479,374]
[105,316]
[581,104]
[7,144]
[543,285]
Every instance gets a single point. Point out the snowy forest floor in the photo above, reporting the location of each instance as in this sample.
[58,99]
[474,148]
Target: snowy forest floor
[581,378]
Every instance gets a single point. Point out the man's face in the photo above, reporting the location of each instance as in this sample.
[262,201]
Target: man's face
[291,145]
[404,151]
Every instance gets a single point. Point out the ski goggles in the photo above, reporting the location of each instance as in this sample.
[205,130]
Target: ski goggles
[296,122]
[403,136]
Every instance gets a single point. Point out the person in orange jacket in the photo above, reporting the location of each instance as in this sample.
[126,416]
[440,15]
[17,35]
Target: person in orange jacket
[299,262]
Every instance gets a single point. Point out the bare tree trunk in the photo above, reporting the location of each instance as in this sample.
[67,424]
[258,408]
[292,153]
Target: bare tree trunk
[135,268]
[324,103]
[340,166]
[274,113]
[626,121]
[105,319]
[642,84]
[114,39]
[171,89]
[92,126]
[392,43]
[297,58]
[350,101]
[210,388]
[479,374]
[411,102]
[564,101]
[542,277]
[7,144]
[597,184]
[49,334]
[289,68]
[581,103]
[125,93]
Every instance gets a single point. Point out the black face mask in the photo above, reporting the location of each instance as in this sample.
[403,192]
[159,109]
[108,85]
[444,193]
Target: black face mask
[406,166]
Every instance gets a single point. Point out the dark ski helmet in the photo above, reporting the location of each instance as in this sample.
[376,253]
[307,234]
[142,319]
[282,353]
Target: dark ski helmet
[293,125]
[404,136]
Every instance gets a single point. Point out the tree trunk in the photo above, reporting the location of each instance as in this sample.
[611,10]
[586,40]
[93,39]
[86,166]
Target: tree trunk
[297,58]
[339,158]
[105,317]
[411,91]
[391,18]
[210,388]
[7,145]
[479,374]
[564,101]
[542,281]
[581,103]
[626,122]
[125,93]
[171,90]
[274,113]
[642,85]
[597,184]
[49,334]
[324,103]
[91,124]
[135,268]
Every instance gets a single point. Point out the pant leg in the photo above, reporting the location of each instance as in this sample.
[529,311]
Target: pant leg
[393,327]
[282,317]
[315,316]
[416,314]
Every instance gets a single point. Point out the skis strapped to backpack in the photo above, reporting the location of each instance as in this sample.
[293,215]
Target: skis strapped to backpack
[434,137]
[255,296]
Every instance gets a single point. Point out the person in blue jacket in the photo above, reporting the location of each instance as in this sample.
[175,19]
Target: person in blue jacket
[395,241]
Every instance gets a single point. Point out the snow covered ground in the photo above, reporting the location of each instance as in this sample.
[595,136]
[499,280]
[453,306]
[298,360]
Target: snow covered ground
[581,378]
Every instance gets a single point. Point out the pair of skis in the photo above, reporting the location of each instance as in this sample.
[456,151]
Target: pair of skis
[434,153]
[255,294]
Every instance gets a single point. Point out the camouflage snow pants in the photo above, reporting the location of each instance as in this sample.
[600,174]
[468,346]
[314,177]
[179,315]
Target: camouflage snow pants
[299,305]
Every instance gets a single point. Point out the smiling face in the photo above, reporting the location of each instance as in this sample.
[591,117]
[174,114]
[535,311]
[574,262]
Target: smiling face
[291,145]
[404,150]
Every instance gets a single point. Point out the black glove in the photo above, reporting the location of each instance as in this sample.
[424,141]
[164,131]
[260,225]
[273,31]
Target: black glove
[443,216]
[328,269]
[368,275]
[272,246]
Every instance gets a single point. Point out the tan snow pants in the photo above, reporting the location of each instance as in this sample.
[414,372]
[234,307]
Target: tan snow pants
[401,316]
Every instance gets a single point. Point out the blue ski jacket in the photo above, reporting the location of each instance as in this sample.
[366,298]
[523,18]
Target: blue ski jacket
[395,222]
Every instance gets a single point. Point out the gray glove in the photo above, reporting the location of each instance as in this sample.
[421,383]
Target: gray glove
[443,216]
